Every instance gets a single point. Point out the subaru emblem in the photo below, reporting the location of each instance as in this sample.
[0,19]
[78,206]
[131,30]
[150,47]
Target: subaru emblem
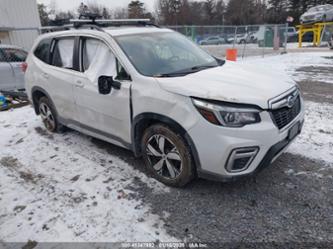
[291,101]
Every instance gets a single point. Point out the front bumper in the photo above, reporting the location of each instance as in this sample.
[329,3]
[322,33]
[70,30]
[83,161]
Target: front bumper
[214,146]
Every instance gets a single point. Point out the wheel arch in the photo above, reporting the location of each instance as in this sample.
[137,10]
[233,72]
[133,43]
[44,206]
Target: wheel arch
[142,121]
[37,93]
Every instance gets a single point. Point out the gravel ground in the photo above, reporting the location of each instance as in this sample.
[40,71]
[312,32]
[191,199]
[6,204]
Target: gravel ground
[286,202]
[314,90]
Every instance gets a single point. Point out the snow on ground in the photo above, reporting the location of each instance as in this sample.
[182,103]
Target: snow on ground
[62,187]
[300,66]
[316,139]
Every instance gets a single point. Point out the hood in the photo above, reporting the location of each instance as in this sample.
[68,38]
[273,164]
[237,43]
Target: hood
[231,82]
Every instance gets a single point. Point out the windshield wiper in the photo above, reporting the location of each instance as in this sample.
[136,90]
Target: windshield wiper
[199,68]
[167,75]
[185,72]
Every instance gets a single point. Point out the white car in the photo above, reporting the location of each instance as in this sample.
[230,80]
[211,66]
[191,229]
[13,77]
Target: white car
[12,67]
[213,40]
[320,13]
[155,92]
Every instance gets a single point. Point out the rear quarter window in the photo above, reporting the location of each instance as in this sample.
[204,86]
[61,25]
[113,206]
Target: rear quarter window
[14,54]
[42,51]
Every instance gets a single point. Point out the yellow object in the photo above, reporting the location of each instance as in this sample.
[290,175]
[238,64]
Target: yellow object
[316,28]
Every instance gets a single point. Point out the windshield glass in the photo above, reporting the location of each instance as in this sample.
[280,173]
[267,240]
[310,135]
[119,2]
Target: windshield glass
[316,9]
[157,54]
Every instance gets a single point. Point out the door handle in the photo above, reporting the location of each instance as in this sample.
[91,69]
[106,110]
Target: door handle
[79,83]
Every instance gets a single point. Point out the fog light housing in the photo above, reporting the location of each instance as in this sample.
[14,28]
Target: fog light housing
[240,159]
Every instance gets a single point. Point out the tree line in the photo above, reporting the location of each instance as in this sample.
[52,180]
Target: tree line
[194,12]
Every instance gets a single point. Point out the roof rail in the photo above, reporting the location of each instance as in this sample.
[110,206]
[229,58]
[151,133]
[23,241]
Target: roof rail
[90,21]
[112,22]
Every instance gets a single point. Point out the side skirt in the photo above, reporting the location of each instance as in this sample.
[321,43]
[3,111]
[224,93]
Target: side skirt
[90,131]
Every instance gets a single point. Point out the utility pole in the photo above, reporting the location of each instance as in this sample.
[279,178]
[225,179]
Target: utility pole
[177,9]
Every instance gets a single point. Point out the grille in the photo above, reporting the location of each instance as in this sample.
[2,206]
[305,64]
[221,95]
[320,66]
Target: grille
[283,116]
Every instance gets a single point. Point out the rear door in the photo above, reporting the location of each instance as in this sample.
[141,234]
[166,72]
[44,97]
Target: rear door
[7,77]
[16,57]
[105,115]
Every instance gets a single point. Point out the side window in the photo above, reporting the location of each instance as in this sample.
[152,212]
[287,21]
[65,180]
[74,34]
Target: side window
[42,51]
[121,72]
[62,54]
[14,55]
[98,59]
[2,57]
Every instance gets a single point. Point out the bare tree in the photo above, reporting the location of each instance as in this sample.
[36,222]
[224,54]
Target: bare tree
[43,14]
[120,13]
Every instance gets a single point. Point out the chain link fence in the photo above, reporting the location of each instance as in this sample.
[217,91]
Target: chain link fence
[327,35]
[250,40]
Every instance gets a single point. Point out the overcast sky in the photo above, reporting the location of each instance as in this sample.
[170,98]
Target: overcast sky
[73,4]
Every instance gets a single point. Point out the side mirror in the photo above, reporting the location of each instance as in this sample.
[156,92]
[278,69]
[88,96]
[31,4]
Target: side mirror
[219,61]
[106,83]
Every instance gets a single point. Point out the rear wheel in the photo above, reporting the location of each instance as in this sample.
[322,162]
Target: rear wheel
[166,155]
[48,115]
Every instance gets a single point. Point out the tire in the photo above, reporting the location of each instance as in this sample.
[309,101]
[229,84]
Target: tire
[167,156]
[49,115]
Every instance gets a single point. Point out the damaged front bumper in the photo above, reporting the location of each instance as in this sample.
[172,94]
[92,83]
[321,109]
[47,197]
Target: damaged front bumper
[253,147]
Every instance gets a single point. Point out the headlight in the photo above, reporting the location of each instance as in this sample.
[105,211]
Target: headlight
[227,115]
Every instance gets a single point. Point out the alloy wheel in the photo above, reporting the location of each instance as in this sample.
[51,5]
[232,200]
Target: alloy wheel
[47,116]
[164,157]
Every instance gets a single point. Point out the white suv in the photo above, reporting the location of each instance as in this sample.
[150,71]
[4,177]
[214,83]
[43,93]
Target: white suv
[153,91]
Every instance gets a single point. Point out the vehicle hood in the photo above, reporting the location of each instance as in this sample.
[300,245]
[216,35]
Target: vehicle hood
[231,82]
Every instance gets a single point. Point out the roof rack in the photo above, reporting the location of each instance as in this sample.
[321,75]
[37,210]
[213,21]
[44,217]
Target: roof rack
[90,21]
[77,23]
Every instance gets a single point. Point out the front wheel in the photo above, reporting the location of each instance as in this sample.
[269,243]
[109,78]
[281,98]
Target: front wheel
[166,155]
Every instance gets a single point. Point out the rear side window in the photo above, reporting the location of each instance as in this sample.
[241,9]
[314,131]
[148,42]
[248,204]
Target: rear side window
[42,51]
[63,53]
[14,54]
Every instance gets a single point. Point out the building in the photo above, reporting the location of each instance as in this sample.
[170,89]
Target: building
[19,22]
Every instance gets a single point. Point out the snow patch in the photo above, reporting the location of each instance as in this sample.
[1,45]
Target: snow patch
[316,139]
[289,63]
[62,187]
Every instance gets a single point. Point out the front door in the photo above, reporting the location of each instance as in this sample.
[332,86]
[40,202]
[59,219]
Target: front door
[104,115]
[58,79]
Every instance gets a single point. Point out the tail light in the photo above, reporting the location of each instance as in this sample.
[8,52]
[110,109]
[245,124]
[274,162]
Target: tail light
[24,67]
